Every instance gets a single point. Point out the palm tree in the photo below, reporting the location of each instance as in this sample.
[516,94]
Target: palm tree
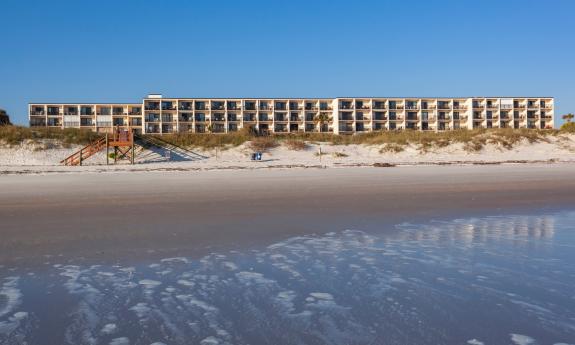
[321,119]
[568,117]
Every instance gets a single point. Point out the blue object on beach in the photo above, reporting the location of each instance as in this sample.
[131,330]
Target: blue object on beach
[259,156]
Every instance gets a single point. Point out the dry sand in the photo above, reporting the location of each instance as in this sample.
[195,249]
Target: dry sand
[27,159]
[120,216]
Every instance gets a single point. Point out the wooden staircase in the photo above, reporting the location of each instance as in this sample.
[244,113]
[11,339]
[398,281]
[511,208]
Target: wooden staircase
[89,150]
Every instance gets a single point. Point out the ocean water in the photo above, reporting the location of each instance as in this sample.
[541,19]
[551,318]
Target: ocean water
[491,280]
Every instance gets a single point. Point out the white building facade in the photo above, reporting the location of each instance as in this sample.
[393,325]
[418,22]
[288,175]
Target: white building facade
[345,115]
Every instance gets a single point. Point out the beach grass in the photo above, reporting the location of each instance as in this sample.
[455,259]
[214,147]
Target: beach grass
[15,135]
[390,141]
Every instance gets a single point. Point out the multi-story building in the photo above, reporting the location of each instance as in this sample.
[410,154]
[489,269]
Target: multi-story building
[345,115]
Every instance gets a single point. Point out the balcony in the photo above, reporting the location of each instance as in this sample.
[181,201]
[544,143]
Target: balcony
[185,118]
[54,123]
[533,106]
[249,117]
[152,118]
[152,107]
[460,107]
[118,122]
[217,106]
[492,106]
[153,129]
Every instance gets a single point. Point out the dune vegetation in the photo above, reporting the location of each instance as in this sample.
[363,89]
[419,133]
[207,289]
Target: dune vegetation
[389,141]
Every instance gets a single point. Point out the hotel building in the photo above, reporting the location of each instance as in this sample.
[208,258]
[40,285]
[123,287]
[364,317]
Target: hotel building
[346,115]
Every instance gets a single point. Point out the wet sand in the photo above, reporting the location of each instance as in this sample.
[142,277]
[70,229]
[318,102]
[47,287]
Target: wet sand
[134,216]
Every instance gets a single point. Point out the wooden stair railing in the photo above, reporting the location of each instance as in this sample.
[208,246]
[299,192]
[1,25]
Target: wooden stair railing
[87,151]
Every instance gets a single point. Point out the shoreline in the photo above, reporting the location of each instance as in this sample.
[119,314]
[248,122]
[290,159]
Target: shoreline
[175,167]
[130,217]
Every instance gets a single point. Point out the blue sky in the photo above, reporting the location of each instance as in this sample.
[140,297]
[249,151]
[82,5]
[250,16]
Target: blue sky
[118,51]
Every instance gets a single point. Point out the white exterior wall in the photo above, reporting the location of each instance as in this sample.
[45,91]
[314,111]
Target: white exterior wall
[522,112]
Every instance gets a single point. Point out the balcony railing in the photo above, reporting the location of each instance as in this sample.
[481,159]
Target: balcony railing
[36,112]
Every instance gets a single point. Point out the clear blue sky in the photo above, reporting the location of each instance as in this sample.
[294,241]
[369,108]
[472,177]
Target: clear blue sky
[117,51]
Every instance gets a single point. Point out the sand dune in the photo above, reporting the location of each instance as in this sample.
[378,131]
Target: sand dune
[27,158]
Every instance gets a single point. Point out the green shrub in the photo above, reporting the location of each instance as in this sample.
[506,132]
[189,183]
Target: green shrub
[568,127]
[16,135]
[263,143]
[340,154]
[295,144]
[392,148]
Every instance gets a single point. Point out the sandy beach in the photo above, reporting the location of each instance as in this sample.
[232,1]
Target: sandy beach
[30,158]
[120,216]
